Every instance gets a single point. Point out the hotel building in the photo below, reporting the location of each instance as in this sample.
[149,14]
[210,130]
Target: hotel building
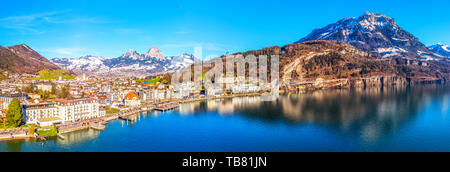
[63,110]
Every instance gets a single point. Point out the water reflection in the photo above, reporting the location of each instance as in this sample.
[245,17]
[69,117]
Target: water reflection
[12,146]
[375,119]
[221,106]
[370,113]
[78,137]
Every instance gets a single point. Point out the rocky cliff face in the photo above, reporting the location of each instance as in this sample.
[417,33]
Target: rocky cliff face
[23,59]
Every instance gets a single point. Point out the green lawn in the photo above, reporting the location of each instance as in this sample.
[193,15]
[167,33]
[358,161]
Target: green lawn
[149,81]
[110,110]
[55,74]
[51,132]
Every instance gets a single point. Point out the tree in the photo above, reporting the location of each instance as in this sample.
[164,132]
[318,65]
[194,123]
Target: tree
[29,89]
[53,90]
[31,130]
[64,93]
[44,94]
[14,115]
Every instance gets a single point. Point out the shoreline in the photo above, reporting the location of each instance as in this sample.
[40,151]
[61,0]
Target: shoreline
[100,123]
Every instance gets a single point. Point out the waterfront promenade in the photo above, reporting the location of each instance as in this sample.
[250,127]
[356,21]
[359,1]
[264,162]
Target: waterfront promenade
[99,123]
[167,105]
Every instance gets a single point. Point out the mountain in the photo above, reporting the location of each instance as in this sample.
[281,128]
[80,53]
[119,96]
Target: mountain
[86,64]
[23,59]
[335,64]
[376,33]
[131,54]
[441,49]
[130,63]
[155,53]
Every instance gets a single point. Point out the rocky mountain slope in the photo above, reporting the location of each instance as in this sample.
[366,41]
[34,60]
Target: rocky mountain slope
[131,63]
[23,59]
[332,64]
[376,33]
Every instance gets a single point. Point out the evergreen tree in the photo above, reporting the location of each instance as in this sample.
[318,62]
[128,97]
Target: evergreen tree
[53,90]
[64,93]
[14,115]
[44,94]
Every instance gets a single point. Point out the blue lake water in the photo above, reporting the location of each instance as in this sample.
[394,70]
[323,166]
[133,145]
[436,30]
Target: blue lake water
[388,119]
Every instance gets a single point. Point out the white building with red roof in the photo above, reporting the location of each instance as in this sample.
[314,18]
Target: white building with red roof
[132,99]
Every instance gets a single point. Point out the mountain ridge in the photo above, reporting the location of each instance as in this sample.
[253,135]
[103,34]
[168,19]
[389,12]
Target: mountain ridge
[322,64]
[376,33]
[441,49]
[23,59]
[130,63]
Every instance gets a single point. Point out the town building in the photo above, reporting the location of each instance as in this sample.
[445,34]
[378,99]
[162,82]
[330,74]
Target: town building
[2,115]
[49,121]
[214,91]
[7,98]
[63,110]
[44,87]
[34,96]
[3,105]
[132,99]
[78,109]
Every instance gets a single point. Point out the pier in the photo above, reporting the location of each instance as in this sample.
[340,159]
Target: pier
[167,107]
[128,115]
[129,118]
[71,127]
[61,136]
[97,126]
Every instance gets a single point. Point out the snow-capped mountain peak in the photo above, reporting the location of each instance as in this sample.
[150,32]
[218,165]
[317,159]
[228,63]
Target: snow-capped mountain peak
[441,49]
[131,63]
[85,64]
[373,32]
[132,54]
[371,21]
[154,53]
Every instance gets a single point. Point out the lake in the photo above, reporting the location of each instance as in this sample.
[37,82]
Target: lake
[376,119]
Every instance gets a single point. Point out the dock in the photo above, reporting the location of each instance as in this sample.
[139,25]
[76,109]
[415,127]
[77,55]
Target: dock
[163,108]
[110,117]
[97,126]
[71,127]
[61,136]
[99,123]
[129,118]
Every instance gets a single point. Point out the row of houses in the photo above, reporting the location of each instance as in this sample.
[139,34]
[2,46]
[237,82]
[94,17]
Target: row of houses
[187,90]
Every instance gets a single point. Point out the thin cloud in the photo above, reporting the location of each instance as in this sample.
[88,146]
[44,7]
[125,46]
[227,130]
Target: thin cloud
[126,31]
[70,52]
[32,17]
[92,20]
[34,23]
[205,46]
[182,32]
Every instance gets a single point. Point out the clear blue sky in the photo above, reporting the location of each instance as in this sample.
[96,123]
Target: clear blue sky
[64,28]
